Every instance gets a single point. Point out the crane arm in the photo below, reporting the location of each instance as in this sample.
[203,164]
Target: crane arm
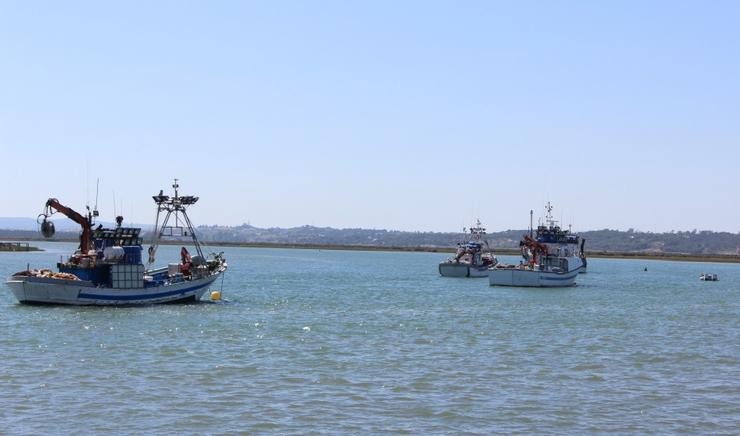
[75,216]
[535,246]
[68,212]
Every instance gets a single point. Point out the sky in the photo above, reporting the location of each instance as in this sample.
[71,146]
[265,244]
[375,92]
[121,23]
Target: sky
[412,115]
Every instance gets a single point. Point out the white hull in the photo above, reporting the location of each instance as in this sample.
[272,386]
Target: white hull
[531,278]
[451,269]
[107,269]
[39,290]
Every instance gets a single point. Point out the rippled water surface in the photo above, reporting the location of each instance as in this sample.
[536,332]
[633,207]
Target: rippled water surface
[370,342]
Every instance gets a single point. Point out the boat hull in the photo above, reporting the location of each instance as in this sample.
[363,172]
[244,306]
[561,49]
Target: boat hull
[38,290]
[531,278]
[450,269]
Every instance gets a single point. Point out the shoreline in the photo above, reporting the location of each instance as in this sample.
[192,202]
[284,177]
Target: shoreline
[597,254]
[17,247]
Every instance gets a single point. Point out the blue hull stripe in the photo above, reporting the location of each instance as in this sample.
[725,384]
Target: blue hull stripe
[141,297]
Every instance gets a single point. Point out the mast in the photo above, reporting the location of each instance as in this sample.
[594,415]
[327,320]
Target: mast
[169,206]
[478,231]
[531,223]
[95,212]
[548,216]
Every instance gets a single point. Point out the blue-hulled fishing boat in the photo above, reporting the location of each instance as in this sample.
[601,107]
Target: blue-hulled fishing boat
[107,268]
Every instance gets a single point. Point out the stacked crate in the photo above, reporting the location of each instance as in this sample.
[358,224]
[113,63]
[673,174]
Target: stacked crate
[133,253]
[124,276]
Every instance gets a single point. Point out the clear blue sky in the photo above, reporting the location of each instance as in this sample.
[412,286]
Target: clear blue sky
[380,114]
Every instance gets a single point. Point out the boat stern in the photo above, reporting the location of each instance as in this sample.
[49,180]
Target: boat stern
[17,287]
[452,269]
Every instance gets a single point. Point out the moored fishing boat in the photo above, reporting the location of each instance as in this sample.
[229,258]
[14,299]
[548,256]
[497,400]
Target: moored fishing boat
[551,259]
[472,258]
[560,241]
[107,267]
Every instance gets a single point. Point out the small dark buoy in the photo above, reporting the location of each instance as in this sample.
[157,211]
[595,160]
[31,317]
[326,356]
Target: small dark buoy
[645,268]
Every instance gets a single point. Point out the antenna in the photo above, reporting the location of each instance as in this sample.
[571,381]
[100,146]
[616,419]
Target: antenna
[177,217]
[97,189]
[531,215]
[87,182]
[548,216]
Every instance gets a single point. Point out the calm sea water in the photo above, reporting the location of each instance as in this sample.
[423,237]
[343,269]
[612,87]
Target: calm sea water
[367,342]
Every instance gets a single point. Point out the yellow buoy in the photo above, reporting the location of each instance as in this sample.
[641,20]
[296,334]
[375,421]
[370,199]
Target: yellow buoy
[215,295]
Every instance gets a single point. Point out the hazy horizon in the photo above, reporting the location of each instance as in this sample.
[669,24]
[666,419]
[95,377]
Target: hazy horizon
[72,225]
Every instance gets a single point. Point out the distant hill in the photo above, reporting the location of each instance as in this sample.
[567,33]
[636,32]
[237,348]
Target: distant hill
[61,224]
[693,242]
[31,224]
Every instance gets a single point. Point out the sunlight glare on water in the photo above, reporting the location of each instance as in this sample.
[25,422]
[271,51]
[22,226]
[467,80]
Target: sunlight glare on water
[368,342]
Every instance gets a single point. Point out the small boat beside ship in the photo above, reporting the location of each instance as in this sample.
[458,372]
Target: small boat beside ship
[107,268]
[552,258]
[473,257]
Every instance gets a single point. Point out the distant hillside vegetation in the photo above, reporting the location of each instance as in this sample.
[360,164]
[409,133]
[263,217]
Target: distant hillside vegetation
[693,242]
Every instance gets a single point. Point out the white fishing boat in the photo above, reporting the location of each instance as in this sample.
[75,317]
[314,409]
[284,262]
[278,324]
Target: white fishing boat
[558,240]
[472,258]
[107,267]
[551,259]
[708,277]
